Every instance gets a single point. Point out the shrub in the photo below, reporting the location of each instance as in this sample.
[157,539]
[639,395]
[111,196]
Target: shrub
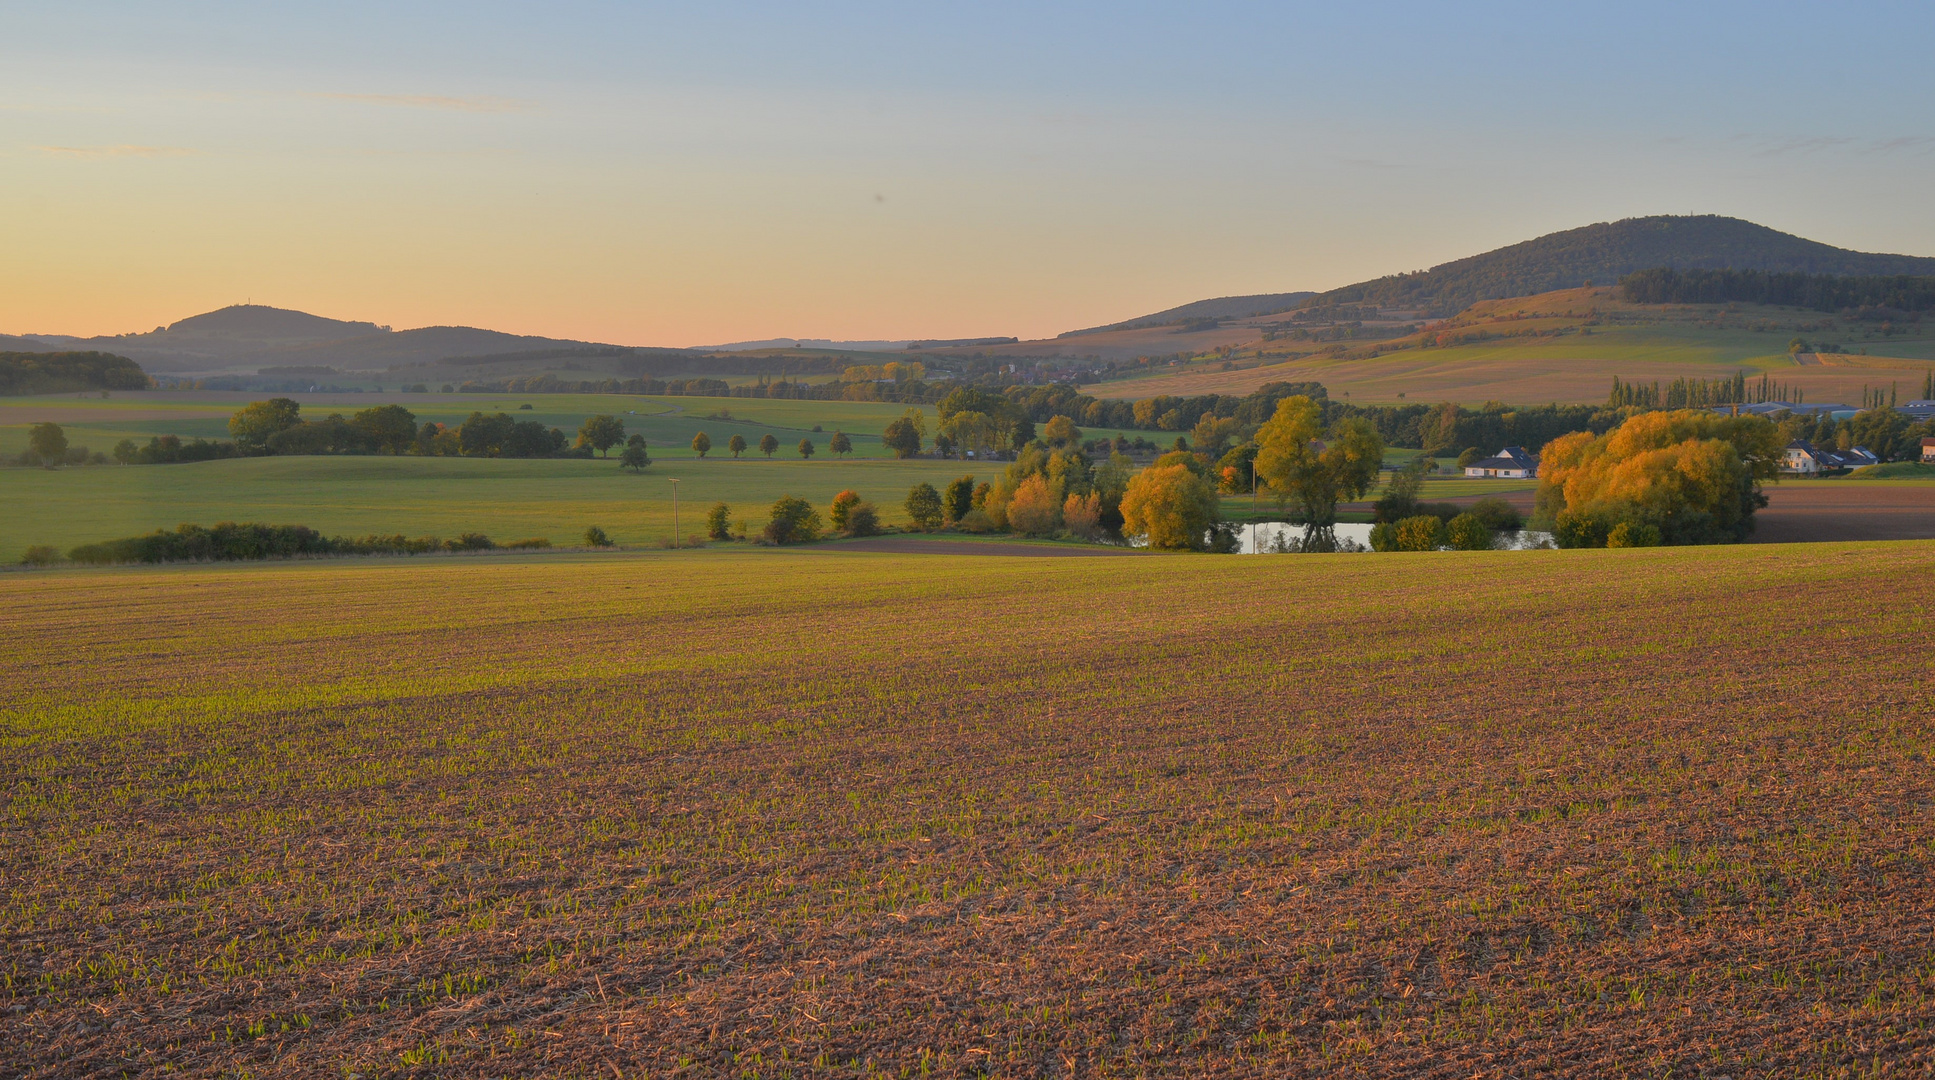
[718,522]
[1579,530]
[1632,534]
[1497,514]
[1384,536]
[41,555]
[975,521]
[958,499]
[595,537]
[1082,515]
[528,543]
[1467,532]
[1035,509]
[470,542]
[862,520]
[837,514]
[794,521]
[1425,532]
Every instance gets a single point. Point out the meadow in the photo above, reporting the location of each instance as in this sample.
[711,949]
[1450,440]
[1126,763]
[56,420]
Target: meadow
[787,813]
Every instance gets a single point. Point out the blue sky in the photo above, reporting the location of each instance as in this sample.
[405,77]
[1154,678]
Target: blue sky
[660,175]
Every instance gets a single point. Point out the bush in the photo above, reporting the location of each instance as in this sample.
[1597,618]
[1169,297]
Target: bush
[1171,506]
[527,544]
[718,522]
[193,543]
[1384,536]
[1497,514]
[862,520]
[1425,532]
[975,520]
[595,537]
[1579,530]
[1082,515]
[1467,532]
[41,555]
[1632,534]
[470,542]
[794,521]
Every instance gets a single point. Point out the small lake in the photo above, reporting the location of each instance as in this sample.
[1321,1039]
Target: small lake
[1267,535]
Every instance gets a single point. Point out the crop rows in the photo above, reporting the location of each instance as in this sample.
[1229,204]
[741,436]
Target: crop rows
[1660,813]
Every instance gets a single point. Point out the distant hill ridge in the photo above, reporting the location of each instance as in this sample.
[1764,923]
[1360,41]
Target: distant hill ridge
[1223,307]
[1603,253]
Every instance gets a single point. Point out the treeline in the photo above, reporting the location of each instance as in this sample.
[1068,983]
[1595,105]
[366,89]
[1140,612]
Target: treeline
[1883,296]
[66,372]
[229,541]
[1691,393]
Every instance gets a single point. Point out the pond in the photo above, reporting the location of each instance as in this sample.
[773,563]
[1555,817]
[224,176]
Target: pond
[1271,536]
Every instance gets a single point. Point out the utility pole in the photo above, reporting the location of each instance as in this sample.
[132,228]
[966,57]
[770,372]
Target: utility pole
[675,514]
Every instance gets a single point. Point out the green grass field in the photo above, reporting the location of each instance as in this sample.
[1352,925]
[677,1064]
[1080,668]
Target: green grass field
[802,813]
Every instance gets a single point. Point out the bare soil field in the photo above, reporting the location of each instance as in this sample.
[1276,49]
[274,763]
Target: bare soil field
[907,545]
[774,814]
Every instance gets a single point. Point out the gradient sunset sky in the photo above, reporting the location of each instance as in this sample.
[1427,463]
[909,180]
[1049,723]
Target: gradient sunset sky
[692,174]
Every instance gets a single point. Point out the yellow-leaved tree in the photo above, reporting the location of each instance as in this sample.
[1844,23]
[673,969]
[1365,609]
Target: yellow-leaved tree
[1316,469]
[1171,506]
[1685,477]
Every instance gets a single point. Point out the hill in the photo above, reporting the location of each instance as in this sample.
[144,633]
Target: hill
[1603,253]
[1222,307]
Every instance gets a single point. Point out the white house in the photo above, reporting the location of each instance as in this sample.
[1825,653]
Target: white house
[1512,463]
[1805,458]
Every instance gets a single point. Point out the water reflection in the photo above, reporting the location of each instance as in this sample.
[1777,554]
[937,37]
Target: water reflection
[1272,536]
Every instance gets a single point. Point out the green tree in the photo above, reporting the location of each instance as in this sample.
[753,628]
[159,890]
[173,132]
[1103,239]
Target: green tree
[840,444]
[862,520]
[1061,431]
[126,452]
[595,538]
[253,424]
[806,448]
[701,443]
[48,443]
[768,444]
[389,428]
[1171,506]
[1400,498]
[924,505]
[958,499]
[903,438]
[601,433]
[634,457]
[794,521]
[736,444]
[718,522]
[1471,455]
[1317,475]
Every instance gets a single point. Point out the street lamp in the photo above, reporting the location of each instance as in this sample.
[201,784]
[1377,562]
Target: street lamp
[675,514]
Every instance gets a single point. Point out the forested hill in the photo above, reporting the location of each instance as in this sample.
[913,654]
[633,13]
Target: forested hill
[54,373]
[1603,254]
[1222,307]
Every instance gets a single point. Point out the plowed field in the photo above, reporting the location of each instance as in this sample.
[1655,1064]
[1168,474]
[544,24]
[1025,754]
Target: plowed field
[1647,813]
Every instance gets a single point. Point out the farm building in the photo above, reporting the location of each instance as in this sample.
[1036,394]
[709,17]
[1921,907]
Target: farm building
[1804,458]
[1512,463]
[1928,450]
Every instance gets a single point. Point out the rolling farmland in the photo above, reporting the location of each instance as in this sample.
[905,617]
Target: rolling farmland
[812,813]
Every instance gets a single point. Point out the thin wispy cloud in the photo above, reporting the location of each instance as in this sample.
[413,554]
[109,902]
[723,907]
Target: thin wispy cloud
[115,151]
[433,101]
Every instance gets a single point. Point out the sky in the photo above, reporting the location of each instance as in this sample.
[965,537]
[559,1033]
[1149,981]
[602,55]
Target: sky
[691,174]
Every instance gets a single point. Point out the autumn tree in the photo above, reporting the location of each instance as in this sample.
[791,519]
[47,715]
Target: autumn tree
[1295,459]
[806,448]
[836,515]
[1692,475]
[768,444]
[701,443]
[1171,506]
[601,433]
[1061,431]
[737,445]
[1035,509]
[902,437]
[840,444]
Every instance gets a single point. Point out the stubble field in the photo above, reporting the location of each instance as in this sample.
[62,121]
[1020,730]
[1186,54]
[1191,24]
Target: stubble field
[1651,813]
